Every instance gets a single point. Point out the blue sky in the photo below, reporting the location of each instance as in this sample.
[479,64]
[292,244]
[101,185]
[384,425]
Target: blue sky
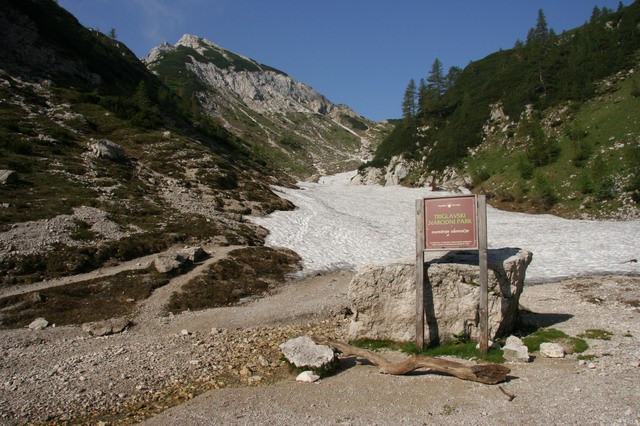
[358,52]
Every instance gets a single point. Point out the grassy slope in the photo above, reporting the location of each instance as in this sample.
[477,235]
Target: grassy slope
[45,131]
[570,66]
[597,166]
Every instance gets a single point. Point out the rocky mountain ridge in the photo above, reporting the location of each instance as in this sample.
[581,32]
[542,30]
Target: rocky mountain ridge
[262,88]
[290,121]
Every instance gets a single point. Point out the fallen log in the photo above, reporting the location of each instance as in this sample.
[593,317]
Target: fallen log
[489,374]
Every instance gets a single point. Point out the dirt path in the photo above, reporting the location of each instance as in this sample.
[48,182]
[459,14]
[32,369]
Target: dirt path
[310,300]
[130,265]
[151,308]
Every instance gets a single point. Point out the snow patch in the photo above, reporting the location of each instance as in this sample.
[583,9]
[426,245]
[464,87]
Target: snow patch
[341,226]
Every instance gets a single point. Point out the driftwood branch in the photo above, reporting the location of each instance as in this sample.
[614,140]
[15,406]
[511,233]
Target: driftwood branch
[489,374]
[509,395]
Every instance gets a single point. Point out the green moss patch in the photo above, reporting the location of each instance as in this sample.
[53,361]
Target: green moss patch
[463,350]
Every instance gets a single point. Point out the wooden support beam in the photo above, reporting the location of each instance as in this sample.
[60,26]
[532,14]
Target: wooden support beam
[483,304]
[420,320]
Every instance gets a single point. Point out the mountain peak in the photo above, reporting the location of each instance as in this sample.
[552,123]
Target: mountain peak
[199,44]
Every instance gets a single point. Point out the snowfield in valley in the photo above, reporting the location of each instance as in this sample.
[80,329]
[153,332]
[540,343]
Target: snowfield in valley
[342,226]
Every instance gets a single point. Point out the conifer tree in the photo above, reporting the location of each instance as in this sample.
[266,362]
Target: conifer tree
[436,82]
[422,96]
[409,101]
[452,76]
[542,31]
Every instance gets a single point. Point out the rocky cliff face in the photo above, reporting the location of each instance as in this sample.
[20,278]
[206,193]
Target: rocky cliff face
[289,121]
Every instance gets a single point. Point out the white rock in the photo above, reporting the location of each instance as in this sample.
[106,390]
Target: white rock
[382,297]
[104,148]
[308,377]
[515,350]
[8,176]
[38,324]
[551,350]
[304,352]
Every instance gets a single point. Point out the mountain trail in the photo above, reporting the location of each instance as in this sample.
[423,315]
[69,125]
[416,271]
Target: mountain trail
[152,307]
[129,265]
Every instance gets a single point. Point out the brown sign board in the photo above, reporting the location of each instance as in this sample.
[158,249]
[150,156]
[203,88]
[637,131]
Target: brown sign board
[451,223]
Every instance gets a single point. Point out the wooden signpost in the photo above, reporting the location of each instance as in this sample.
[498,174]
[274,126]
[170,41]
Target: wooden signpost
[452,223]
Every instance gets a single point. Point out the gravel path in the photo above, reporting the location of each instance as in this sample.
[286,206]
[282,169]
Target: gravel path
[139,263]
[152,307]
[221,366]
[565,391]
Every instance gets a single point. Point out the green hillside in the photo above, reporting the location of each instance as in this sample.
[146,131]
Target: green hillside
[582,74]
[182,177]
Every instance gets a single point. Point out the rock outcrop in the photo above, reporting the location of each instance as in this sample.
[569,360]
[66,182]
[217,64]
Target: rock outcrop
[167,262]
[262,88]
[277,111]
[8,177]
[383,298]
[397,169]
[104,148]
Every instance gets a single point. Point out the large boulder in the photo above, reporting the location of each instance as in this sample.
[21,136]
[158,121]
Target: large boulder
[305,353]
[8,177]
[167,262]
[104,148]
[106,328]
[383,297]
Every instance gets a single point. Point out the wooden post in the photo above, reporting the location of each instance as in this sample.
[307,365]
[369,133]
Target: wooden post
[483,310]
[420,274]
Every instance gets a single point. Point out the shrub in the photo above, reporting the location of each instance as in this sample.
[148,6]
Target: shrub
[542,194]
[525,168]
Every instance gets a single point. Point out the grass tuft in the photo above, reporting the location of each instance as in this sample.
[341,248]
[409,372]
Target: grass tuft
[463,350]
[596,334]
[570,344]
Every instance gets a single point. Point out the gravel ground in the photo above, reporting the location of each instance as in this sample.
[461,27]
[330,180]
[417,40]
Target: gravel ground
[221,366]
[37,236]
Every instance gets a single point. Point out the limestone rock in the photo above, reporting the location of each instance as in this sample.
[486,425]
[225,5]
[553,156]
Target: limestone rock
[396,171]
[191,254]
[38,324]
[307,377]
[305,353]
[168,262]
[369,176]
[8,177]
[263,89]
[106,328]
[382,297]
[515,350]
[165,263]
[551,350]
[104,148]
